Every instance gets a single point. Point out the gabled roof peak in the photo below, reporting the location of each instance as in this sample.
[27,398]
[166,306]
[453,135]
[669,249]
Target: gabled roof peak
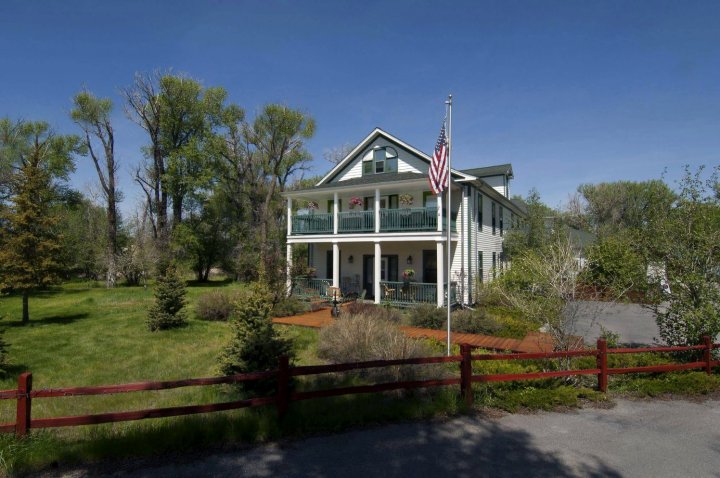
[379,132]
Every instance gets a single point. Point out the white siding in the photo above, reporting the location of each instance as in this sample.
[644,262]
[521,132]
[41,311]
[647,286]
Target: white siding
[407,161]
[498,183]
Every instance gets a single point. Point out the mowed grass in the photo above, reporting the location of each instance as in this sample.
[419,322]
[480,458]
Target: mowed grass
[83,334]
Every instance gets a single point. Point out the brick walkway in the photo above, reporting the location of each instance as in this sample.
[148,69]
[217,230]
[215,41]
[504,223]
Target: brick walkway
[533,342]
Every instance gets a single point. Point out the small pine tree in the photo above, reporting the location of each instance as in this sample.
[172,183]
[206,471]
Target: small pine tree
[31,249]
[166,312]
[255,345]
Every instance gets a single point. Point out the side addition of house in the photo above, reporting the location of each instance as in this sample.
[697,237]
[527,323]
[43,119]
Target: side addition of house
[373,228]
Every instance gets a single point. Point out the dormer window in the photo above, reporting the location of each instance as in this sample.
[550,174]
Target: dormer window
[380,160]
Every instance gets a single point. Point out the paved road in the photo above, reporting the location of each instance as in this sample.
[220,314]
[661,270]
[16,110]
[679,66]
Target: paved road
[633,439]
[635,324]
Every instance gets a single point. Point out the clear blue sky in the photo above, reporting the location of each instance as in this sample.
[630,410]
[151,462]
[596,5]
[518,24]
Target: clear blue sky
[568,92]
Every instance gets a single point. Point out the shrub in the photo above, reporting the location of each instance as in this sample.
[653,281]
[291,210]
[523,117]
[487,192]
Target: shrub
[474,322]
[512,323]
[289,306]
[428,316]
[372,310]
[166,312]
[363,337]
[215,305]
[614,265]
[255,345]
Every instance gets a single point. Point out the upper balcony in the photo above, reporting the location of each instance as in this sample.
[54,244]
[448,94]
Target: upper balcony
[418,219]
[391,204]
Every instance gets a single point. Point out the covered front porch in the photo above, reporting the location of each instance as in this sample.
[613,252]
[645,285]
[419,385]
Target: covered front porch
[399,273]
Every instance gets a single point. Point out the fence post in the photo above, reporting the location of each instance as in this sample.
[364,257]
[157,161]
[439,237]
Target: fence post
[283,377]
[707,354]
[466,374]
[601,362]
[24,403]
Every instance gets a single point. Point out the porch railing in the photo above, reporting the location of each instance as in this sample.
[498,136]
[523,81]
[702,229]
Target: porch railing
[313,224]
[408,219]
[356,221]
[412,293]
[391,220]
[304,287]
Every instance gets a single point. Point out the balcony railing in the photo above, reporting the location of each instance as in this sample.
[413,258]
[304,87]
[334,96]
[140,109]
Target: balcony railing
[408,219]
[405,294]
[356,221]
[391,220]
[304,287]
[313,224]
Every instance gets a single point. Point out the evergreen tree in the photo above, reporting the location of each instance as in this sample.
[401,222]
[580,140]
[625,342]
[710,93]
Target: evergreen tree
[167,311]
[30,256]
[255,345]
[35,156]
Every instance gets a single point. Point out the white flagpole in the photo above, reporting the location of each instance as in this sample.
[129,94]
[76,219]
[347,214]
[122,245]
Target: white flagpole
[449,210]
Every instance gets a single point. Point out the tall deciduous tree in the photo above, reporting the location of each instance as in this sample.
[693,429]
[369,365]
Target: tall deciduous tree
[178,114]
[92,114]
[623,205]
[257,160]
[278,135]
[29,258]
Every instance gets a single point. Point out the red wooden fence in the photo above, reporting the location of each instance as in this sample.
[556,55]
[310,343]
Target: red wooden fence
[24,394]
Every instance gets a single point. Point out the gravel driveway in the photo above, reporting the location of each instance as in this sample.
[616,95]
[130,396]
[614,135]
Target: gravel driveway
[635,324]
[633,439]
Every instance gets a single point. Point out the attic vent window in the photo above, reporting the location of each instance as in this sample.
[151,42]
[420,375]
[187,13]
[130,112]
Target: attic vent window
[380,160]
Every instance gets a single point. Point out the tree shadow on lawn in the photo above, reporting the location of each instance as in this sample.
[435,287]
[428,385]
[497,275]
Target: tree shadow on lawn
[216,445]
[210,283]
[53,319]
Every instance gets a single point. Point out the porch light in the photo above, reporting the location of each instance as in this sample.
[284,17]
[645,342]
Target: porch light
[350,259]
[409,260]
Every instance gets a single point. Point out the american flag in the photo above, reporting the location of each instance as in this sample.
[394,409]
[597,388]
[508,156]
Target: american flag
[438,166]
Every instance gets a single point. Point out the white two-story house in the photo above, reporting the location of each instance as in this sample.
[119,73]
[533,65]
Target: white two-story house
[373,217]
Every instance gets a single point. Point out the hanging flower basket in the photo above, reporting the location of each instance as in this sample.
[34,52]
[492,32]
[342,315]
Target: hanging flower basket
[406,200]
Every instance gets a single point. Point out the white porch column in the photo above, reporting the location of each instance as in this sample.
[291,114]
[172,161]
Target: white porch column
[439,213]
[289,261]
[336,265]
[377,210]
[335,213]
[376,272]
[289,216]
[440,273]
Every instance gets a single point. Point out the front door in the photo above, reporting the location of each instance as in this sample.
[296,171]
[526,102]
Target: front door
[388,271]
[430,266]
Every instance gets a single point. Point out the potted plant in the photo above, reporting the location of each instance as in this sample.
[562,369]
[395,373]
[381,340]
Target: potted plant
[406,200]
[408,275]
[355,201]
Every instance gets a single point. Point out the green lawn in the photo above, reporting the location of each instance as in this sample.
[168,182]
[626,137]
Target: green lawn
[82,334]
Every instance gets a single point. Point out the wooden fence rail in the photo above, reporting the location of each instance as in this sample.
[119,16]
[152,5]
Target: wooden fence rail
[24,394]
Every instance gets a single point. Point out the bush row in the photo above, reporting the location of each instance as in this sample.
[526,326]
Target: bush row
[221,305]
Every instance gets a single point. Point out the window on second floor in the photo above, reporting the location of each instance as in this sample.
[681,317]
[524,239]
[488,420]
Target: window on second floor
[502,219]
[382,160]
[494,217]
[479,208]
